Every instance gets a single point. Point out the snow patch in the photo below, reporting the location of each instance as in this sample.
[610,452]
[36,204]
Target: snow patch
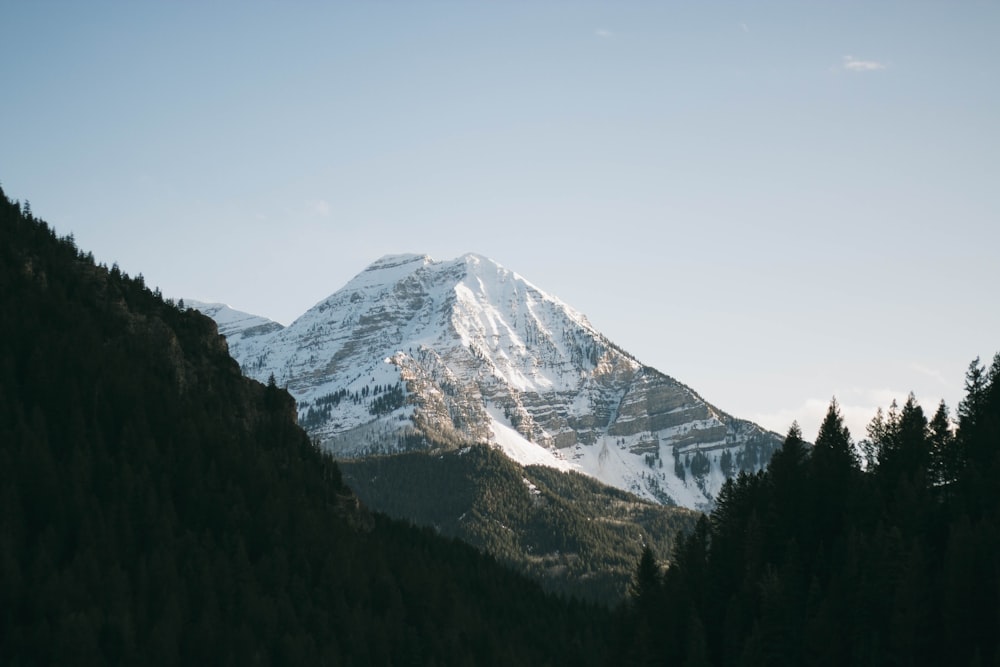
[519,448]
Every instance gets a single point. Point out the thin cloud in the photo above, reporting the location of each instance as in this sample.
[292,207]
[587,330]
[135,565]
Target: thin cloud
[603,33]
[931,373]
[744,28]
[319,207]
[857,406]
[852,64]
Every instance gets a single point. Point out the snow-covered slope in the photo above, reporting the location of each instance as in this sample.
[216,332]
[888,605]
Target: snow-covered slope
[417,353]
[235,325]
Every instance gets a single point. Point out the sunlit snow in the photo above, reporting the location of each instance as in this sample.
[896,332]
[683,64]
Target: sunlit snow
[522,450]
[477,342]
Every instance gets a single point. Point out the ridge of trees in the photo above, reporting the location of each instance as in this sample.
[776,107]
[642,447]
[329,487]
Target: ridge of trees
[880,552]
[156,507]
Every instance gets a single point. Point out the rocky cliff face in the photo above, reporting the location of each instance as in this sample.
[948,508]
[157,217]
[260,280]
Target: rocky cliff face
[414,353]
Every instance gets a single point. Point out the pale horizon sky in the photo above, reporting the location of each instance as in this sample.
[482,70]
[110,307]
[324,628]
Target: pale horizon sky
[774,202]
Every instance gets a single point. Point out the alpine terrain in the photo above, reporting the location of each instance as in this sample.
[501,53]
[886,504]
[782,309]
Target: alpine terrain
[415,353]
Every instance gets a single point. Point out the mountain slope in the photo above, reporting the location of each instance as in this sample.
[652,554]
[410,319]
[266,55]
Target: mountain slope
[413,351]
[235,325]
[569,531]
[157,507]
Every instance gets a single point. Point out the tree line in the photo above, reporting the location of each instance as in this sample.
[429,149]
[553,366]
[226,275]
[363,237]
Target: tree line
[157,507]
[871,553]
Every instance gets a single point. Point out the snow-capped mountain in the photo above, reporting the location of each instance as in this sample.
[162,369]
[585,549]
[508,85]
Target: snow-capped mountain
[415,353]
[234,324]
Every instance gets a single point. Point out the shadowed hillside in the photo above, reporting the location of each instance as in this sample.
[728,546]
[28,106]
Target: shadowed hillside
[158,508]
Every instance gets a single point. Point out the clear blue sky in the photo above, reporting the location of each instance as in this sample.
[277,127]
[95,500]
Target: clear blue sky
[773,202]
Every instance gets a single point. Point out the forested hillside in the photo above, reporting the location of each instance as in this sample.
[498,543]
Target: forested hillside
[569,531]
[880,554]
[158,508]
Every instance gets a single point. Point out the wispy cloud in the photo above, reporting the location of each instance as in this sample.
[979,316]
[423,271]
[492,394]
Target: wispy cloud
[931,373]
[852,64]
[319,207]
[857,406]
[604,33]
[744,28]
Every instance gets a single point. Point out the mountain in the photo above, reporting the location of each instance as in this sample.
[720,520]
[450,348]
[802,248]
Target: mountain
[415,353]
[159,508]
[234,324]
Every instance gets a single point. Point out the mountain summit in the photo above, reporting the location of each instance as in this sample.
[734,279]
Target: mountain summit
[415,353]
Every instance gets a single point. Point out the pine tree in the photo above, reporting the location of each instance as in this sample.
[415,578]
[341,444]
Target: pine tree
[788,461]
[646,584]
[787,477]
[833,468]
[944,454]
[905,449]
[833,453]
[971,407]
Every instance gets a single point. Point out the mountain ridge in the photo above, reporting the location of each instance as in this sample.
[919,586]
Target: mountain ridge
[412,349]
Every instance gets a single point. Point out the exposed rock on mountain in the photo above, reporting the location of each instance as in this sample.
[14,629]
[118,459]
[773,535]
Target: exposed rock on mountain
[414,353]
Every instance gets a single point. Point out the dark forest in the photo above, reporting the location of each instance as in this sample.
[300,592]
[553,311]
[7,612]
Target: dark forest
[156,507]
[882,553]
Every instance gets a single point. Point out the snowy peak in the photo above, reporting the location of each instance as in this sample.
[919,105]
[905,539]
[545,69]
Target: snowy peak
[236,325]
[389,269]
[414,351]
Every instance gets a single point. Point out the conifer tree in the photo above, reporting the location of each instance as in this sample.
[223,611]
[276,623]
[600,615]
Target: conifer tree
[945,461]
[645,586]
[786,474]
[833,469]
[905,450]
[881,431]
[971,407]
[834,453]
[789,459]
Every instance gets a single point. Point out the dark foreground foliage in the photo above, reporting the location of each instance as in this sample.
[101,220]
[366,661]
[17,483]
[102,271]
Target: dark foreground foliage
[820,560]
[158,508]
